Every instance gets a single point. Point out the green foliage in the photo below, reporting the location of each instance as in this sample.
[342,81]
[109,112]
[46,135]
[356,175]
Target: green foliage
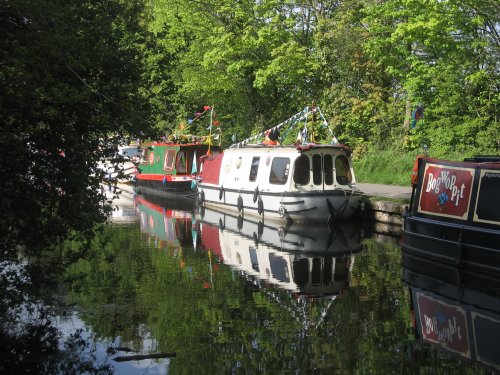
[443,55]
[69,94]
[385,167]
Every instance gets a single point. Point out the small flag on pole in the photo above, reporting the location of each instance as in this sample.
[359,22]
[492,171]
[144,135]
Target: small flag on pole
[194,170]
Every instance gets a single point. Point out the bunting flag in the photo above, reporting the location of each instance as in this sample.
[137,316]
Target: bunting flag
[290,123]
[194,168]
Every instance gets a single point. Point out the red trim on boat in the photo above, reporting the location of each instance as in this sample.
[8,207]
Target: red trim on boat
[160,177]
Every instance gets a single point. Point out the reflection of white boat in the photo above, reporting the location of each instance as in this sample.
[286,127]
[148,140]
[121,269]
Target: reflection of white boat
[308,261]
[456,309]
[342,238]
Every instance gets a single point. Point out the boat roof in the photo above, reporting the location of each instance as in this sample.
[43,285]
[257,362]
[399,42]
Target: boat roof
[176,144]
[483,162]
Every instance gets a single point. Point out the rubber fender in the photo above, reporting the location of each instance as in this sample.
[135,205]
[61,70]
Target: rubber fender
[240,203]
[260,228]
[201,198]
[221,192]
[282,211]
[256,194]
[260,206]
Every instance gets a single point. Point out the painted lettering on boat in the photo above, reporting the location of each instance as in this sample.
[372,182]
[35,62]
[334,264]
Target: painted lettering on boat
[446,191]
[449,182]
[444,324]
[444,329]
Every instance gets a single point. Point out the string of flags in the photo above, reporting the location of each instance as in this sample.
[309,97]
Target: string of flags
[273,134]
[213,115]
[214,133]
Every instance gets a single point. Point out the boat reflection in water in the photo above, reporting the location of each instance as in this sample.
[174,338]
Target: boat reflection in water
[313,262]
[456,309]
[310,261]
[168,224]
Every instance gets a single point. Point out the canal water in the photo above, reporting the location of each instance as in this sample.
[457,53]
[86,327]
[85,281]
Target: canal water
[170,289]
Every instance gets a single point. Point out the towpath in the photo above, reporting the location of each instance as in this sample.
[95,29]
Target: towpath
[388,191]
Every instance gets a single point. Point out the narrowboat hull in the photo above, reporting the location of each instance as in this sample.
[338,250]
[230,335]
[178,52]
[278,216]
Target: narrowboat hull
[160,185]
[454,215]
[303,184]
[298,207]
[168,169]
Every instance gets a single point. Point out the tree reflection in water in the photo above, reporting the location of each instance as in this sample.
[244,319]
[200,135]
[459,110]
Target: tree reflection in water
[138,289]
[30,339]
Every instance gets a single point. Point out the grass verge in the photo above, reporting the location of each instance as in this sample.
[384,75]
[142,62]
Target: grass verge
[385,167]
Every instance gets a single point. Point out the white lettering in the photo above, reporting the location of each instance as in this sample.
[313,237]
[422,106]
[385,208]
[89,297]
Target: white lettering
[449,183]
[447,333]
[429,183]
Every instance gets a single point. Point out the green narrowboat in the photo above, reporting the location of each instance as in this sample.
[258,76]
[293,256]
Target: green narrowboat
[170,168]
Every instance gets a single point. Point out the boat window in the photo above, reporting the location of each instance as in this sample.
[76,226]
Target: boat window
[328,169]
[168,163]
[342,169]
[317,172]
[279,171]
[180,164]
[254,168]
[301,171]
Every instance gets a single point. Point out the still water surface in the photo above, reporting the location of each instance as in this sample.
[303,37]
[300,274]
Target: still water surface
[228,296]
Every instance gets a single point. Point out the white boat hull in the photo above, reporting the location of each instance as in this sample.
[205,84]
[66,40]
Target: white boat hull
[299,207]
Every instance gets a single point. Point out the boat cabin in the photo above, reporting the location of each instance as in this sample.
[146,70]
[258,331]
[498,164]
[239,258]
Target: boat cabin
[311,167]
[170,166]
[305,183]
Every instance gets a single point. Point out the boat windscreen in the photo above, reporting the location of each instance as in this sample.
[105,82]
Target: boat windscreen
[301,170]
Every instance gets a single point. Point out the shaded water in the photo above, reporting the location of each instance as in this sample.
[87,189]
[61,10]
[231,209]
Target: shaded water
[216,294]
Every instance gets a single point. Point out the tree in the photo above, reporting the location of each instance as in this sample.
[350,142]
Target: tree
[253,61]
[444,56]
[68,96]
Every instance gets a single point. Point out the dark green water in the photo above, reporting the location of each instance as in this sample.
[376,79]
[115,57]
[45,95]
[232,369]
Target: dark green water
[232,297]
